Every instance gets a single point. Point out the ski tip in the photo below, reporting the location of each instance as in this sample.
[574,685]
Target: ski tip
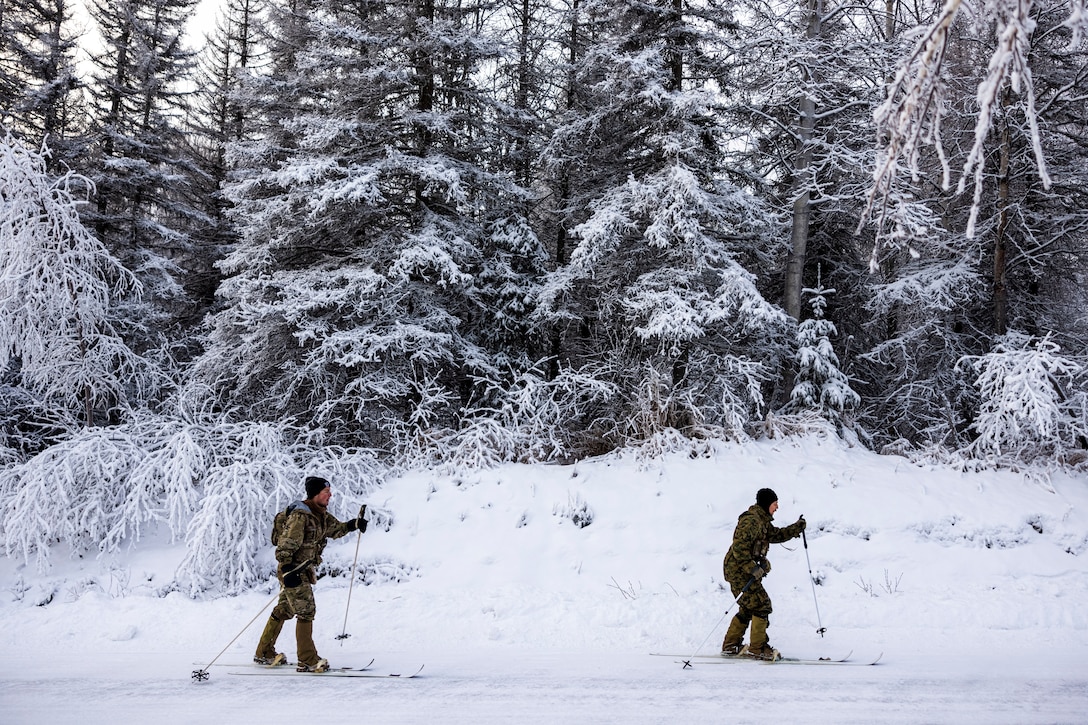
[409,675]
[360,669]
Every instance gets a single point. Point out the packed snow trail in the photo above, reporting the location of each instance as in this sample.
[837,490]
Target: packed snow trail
[499,685]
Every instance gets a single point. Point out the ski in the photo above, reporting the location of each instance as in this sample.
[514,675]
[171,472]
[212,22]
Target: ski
[781,661]
[725,658]
[333,672]
[291,665]
[843,663]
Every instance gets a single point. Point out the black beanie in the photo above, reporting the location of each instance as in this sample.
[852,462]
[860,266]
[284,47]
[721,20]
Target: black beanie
[315,485]
[765,497]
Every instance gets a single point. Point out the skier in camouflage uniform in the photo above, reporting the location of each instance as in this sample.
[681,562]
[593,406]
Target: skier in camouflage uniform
[746,561]
[299,545]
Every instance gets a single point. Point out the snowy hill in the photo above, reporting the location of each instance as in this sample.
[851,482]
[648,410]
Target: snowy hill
[536,593]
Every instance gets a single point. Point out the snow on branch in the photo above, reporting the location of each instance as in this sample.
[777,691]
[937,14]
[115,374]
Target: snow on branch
[910,117]
[1024,410]
[216,482]
[58,290]
[1008,65]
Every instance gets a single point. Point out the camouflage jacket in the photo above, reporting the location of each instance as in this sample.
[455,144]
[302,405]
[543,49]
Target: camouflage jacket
[304,535]
[752,539]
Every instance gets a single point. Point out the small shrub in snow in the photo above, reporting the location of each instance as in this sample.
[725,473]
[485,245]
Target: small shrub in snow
[379,518]
[576,509]
[1024,410]
[890,585]
[382,570]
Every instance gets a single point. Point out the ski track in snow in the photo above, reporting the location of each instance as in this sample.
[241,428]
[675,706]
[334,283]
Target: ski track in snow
[507,686]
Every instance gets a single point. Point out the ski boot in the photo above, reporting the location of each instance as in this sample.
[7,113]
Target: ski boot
[279,660]
[322,665]
[766,652]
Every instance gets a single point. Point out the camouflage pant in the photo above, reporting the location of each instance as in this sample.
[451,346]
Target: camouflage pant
[753,603]
[296,602]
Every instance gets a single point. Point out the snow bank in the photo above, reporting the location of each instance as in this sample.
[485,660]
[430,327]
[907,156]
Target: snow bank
[551,568]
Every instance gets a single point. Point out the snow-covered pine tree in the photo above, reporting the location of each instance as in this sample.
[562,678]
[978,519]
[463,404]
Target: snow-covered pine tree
[525,81]
[382,261]
[803,79]
[926,296]
[39,98]
[821,385]
[142,169]
[232,51]
[59,287]
[656,296]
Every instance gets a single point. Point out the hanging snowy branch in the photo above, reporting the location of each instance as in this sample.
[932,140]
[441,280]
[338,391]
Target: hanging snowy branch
[1008,65]
[910,118]
[58,284]
[216,482]
[1078,23]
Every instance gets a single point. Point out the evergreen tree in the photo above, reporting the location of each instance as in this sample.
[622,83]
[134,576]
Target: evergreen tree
[141,165]
[382,268]
[657,295]
[221,117]
[39,99]
[821,386]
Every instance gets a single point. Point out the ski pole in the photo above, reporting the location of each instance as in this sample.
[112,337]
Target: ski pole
[687,662]
[202,674]
[821,628]
[344,630]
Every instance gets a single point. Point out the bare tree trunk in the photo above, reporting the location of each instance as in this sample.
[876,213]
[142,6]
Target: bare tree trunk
[802,163]
[561,252]
[1001,292]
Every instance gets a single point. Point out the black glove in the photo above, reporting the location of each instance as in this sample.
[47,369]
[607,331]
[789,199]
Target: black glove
[801,523]
[292,580]
[360,522]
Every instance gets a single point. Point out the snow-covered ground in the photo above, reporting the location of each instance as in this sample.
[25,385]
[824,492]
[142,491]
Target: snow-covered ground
[974,586]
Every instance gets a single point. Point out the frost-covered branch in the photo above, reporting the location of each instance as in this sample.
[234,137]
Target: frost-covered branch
[917,98]
[59,286]
[215,482]
[1025,410]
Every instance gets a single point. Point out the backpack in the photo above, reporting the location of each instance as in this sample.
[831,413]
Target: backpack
[277,526]
[279,523]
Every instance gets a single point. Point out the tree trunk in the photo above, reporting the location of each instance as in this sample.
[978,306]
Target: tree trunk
[802,163]
[1001,293]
